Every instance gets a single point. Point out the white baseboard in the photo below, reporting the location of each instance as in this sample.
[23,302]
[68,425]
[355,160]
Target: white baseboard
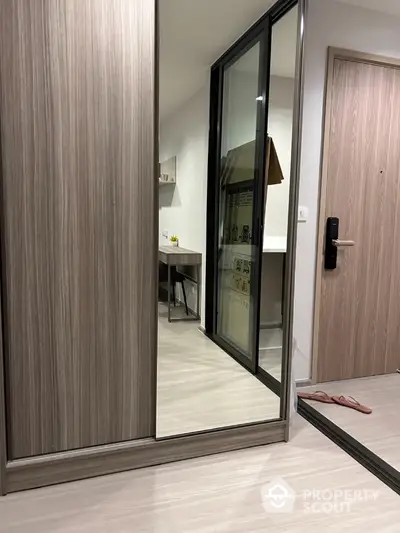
[303,383]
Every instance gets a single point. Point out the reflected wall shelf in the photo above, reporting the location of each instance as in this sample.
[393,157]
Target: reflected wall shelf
[163,182]
[167,175]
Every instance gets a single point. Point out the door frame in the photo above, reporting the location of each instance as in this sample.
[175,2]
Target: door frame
[263,28]
[332,54]
[259,33]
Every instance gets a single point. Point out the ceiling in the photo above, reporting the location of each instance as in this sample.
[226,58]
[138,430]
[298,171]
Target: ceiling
[195,33]
[385,6]
[283,46]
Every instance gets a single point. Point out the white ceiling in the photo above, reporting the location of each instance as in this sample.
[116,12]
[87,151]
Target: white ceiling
[385,6]
[195,33]
[283,56]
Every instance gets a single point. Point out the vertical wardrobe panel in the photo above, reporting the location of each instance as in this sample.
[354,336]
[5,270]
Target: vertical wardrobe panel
[78,188]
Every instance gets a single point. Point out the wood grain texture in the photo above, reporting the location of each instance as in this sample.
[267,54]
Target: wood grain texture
[194,376]
[321,215]
[3,441]
[358,332]
[379,431]
[175,255]
[78,129]
[216,494]
[85,463]
[3,426]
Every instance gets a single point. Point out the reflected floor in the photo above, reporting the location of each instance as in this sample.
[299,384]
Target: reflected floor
[270,351]
[379,431]
[200,387]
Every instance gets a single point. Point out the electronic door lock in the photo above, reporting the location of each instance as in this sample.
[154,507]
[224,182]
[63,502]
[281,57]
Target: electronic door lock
[332,243]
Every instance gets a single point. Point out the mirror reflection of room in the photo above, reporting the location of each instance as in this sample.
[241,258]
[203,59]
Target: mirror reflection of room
[236,185]
[280,117]
[200,386]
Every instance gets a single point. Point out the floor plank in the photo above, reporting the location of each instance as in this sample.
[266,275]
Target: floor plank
[221,493]
[270,350]
[379,431]
[200,387]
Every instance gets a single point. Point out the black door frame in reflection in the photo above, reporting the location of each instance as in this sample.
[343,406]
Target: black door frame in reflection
[261,33]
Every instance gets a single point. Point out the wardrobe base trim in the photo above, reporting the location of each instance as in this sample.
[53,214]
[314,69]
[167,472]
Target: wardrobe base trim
[30,473]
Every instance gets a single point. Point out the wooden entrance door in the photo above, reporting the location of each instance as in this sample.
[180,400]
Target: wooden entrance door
[358,304]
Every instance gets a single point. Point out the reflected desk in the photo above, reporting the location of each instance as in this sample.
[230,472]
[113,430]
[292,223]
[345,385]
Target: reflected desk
[274,245]
[277,245]
[174,256]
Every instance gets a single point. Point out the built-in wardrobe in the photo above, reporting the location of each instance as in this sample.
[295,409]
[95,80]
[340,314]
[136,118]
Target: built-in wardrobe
[79,246]
[77,193]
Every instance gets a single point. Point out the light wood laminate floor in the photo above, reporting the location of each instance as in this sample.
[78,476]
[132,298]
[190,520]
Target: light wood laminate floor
[379,431]
[270,351]
[215,494]
[200,387]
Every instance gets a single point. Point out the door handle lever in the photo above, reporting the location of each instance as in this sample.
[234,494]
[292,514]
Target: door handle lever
[339,243]
[332,243]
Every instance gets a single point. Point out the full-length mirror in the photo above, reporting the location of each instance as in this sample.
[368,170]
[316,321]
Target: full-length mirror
[212,183]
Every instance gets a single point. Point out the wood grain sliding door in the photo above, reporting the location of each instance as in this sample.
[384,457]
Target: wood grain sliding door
[78,228]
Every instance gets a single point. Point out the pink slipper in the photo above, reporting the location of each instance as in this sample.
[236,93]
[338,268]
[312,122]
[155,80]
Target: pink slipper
[318,396]
[349,401]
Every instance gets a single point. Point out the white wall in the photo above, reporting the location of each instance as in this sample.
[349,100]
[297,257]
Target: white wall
[240,104]
[280,119]
[241,128]
[329,24]
[185,135]
[182,207]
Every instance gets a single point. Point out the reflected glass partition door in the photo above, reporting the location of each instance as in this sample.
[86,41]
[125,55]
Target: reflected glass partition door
[281,96]
[240,185]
